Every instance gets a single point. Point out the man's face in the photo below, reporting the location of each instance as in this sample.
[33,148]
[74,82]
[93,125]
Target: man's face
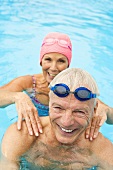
[69,117]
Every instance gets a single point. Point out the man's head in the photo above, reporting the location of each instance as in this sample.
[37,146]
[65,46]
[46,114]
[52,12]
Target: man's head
[72,103]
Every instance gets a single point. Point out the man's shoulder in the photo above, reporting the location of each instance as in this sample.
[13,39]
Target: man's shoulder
[16,142]
[101,144]
[23,133]
[45,121]
[101,139]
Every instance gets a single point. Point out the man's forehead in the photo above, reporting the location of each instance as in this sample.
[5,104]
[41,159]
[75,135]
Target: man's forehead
[69,100]
[54,97]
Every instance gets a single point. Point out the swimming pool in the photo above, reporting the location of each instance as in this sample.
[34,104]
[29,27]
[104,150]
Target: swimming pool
[23,25]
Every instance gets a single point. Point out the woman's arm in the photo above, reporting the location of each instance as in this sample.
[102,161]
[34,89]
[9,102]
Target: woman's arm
[18,84]
[8,91]
[106,112]
[6,98]
[12,93]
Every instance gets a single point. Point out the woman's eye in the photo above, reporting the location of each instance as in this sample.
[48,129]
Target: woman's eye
[48,59]
[61,61]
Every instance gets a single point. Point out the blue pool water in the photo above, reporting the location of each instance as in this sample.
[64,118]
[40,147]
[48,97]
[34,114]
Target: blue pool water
[23,25]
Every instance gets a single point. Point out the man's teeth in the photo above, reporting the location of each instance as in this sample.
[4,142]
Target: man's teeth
[66,130]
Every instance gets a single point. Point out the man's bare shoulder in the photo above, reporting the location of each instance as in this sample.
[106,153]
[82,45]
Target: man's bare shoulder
[15,142]
[18,142]
[101,142]
[103,149]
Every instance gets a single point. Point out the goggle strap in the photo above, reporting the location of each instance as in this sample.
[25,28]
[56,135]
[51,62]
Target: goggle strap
[93,95]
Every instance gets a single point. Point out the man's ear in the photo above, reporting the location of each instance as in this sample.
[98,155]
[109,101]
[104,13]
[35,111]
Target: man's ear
[95,107]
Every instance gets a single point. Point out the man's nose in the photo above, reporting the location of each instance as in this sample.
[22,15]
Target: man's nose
[67,118]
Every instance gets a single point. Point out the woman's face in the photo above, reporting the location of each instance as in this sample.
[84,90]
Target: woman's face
[53,64]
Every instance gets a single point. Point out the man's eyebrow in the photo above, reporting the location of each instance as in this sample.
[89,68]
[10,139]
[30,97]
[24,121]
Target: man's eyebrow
[82,108]
[56,104]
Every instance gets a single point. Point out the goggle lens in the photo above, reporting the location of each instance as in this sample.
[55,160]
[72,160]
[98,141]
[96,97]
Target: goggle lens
[83,93]
[60,90]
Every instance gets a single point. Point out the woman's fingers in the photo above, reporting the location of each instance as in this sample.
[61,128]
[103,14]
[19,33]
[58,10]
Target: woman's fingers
[28,111]
[33,121]
[19,122]
[38,123]
[28,124]
[93,130]
[102,120]
[97,121]
[40,127]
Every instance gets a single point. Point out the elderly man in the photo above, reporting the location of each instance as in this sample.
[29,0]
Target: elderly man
[63,145]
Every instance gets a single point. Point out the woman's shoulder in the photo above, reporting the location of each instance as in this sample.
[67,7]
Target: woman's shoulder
[40,80]
[39,76]
[27,80]
[30,77]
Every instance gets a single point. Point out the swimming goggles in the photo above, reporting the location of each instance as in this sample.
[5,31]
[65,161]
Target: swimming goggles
[81,93]
[62,43]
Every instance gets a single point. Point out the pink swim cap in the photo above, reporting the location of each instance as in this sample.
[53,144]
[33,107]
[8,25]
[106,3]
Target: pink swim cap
[56,42]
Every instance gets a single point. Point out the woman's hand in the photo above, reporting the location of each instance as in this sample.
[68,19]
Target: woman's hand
[28,112]
[93,129]
[97,121]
